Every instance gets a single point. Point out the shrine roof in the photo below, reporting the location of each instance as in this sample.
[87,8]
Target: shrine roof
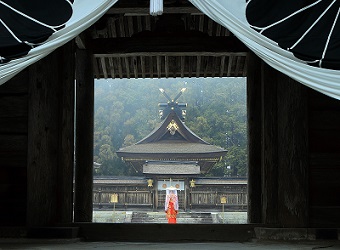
[171,137]
[221,181]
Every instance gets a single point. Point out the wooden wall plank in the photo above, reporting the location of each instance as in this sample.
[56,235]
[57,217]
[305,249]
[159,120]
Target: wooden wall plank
[324,141]
[324,171]
[16,85]
[325,119]
[13,125]
[324,216]
[13,196]
[13,143]
[13,105]
[13,150]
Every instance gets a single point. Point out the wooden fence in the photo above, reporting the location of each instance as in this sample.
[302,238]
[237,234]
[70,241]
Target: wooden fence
[143,197]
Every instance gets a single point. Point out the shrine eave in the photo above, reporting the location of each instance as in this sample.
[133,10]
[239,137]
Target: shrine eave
[172,147]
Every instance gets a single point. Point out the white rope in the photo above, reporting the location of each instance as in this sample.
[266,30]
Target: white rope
[329,37]
[10,31]
[309,29]
[286,18]
[156,7]
[54,28]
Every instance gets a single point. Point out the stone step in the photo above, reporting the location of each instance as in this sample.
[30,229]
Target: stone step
[186,218]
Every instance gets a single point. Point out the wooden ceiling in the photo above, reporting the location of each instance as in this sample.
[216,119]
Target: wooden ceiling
[129,43]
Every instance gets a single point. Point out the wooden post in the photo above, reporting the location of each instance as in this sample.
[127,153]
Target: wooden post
[83,205]
[66,135]
[156,194]
[50,139]
[186,184]
[254,137]
[269,146]
[293,153]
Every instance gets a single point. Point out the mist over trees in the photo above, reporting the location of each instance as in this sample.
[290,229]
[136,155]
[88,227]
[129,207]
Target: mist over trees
[127,110]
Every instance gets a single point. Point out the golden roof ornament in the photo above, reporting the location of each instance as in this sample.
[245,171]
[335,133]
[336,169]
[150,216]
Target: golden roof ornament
[172,127]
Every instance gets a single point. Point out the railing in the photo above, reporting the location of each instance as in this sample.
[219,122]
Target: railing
[234,200]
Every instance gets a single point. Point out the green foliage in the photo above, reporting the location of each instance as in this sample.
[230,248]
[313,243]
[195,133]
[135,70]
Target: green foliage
[126,111]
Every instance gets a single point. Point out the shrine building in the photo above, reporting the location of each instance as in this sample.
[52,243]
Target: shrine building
[172,155]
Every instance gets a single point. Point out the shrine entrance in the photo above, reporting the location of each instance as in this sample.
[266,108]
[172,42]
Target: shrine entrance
[182,43]
[179,184]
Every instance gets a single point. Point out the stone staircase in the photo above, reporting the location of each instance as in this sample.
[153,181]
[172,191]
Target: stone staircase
[182,218]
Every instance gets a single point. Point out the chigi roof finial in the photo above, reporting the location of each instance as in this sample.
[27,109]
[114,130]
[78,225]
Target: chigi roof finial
[172,105]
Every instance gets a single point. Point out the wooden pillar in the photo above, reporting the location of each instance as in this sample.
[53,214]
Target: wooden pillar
[156,194]
[269,146]
[83,205]
[66,134]
[186,187]
[254,137]
[292,153]
[50,139]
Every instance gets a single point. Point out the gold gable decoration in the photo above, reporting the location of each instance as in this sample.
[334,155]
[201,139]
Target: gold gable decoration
[172,127]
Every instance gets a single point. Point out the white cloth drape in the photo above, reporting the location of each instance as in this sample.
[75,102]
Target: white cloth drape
[156,7]
[231,14]
[85,13]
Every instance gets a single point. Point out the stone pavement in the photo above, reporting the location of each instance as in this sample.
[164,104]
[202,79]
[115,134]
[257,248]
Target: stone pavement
[77,244]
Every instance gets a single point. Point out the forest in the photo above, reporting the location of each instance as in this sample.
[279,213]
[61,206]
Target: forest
[126,110]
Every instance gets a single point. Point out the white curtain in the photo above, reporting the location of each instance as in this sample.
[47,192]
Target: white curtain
[231,14]
[85,13]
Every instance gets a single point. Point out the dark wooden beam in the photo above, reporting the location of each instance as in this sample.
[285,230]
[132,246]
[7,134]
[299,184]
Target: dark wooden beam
[66,134]
[50,139]
[166,44]
[293,165]
[254,138]
[269,177]
[40,166]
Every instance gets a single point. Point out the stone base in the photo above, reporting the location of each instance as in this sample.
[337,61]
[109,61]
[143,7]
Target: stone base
[301,234]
